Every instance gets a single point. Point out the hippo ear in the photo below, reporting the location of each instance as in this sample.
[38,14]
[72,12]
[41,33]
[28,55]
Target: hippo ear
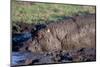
[48,30]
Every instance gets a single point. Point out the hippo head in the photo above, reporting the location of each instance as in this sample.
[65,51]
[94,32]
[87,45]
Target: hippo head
[45,41]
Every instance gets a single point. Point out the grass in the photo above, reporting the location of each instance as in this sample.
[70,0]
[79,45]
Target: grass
[31,12]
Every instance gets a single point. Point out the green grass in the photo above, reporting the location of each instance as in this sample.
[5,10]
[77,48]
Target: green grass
[29,12]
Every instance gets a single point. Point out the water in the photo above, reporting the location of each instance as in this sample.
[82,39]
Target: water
[17,56]
[18,38]
[88,54]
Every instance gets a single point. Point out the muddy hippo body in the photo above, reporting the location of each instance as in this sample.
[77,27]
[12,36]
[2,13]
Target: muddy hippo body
[73,33]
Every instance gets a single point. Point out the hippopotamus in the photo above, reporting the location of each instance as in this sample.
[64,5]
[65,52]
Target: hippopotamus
[72,33]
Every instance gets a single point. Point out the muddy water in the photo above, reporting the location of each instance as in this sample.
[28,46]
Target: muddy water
[78,55]
[20,58]
[16,57]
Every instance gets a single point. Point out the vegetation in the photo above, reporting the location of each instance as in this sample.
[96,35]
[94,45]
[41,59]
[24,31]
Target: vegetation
[32,12]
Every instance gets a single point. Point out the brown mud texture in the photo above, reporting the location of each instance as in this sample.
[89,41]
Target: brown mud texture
[70,40]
